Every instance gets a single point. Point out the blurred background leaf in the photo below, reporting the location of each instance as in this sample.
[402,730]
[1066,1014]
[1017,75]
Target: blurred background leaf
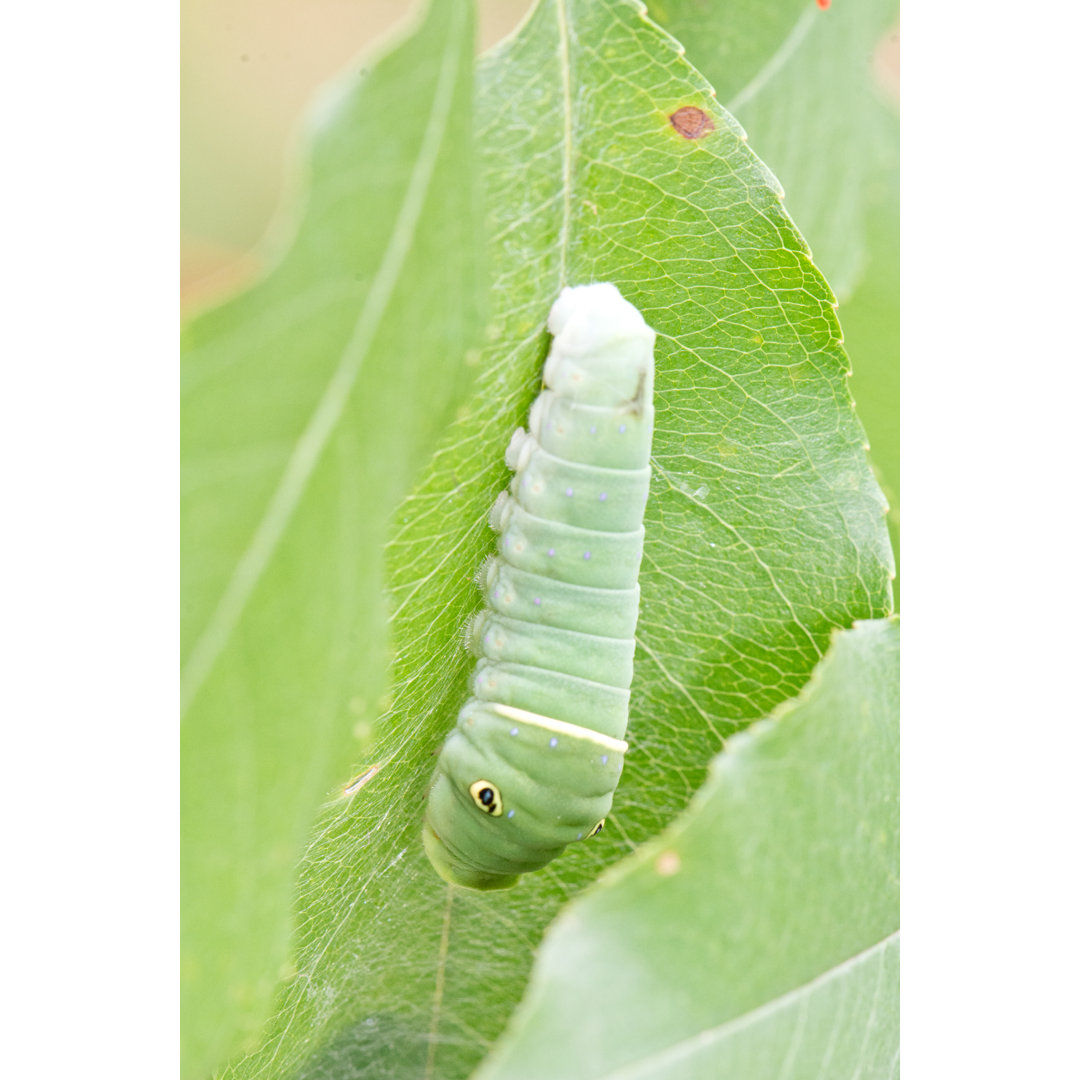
[871,320]
[764,529]
[759,935]
[307,405]
[249,70]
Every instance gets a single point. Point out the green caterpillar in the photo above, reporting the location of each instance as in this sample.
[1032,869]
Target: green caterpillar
[537,752]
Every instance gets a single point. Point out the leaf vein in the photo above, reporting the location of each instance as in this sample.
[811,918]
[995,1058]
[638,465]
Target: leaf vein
[312,442]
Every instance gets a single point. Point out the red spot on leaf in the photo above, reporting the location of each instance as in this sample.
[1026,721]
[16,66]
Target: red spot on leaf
[691,122]
[824,4]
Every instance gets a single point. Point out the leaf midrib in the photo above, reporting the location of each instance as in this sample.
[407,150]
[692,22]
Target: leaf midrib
[700,1040]
[313,440]
[772,67]
[563,19]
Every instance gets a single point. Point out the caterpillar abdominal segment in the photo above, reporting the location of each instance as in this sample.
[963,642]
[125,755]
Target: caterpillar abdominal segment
[534,759]
[619,746]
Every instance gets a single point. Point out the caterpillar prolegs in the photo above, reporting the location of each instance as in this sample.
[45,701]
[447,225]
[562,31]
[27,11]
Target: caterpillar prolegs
[534,759]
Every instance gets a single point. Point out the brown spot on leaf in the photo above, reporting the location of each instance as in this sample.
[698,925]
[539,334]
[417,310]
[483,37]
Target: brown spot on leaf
[691,122]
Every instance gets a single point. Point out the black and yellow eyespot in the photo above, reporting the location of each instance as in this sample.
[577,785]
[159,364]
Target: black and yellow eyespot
[596,828]
[486,795]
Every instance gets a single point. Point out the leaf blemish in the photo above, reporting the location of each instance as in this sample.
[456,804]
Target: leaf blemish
[355,785]
[691,122]
[668,863]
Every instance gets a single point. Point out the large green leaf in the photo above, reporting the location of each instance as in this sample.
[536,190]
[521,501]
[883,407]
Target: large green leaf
[800,80]
[764,529]
[308,404]
[758,937]
[803,82]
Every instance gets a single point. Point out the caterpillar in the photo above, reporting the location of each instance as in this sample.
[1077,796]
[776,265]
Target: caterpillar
[534,759]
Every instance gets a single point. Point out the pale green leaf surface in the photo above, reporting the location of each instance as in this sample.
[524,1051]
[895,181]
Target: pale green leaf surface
[734,44]
[801,81]
[758,937]
[765,528]
[872,339]
[308,403]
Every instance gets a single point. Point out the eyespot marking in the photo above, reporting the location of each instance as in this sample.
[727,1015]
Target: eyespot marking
[486,796]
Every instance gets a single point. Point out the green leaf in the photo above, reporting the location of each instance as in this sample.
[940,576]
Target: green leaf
[764,528]
[801,81]
[758,936]
[351,352]
[872,339]
[805,84]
